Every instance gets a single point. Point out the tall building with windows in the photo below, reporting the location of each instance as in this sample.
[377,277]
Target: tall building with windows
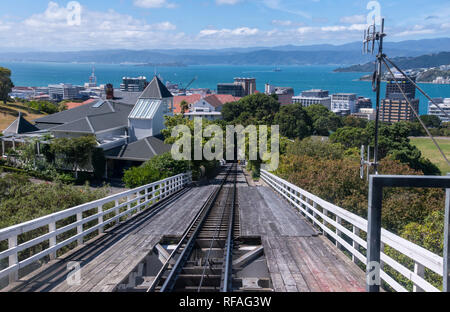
[64,91]
[394,107]
[248,84]
[239,88]
[233,89]
[343,103]
[444,104]
[133,84]
[312,97]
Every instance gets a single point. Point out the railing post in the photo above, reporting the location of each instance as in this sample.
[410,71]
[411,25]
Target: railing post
[446,273]
[80,228]
[116,203]
[314,213]
[355,244]
[374,236]
[419,270]
[338,232]
[13,259]
[100,219]
[129,205]
[52,240]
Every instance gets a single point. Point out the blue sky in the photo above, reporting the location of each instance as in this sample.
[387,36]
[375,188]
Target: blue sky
[148,24]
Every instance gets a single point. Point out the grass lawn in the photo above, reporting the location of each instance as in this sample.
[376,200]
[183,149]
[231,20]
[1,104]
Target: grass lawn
[430,151]
[9,113]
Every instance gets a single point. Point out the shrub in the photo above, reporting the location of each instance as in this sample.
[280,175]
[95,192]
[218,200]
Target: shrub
[157,168]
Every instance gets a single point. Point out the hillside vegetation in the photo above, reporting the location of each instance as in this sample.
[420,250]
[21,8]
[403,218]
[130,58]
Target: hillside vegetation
[424,61]
[10,112]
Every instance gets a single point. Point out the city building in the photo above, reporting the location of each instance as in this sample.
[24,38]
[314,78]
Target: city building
[284,94]
[395,110]
[392,90]
[133,84]
[239,88]
[312,97]
[64,91]
[366,113]
[230,89]
[23,93]
[248,84]
[444,104]
[344,103]
[395,107]
[363,102]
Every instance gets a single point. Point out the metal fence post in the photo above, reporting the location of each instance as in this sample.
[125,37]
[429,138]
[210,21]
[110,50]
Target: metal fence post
[374,236]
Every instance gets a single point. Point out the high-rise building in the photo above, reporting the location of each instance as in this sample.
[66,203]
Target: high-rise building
[444,104]
[240,88]
[392,90]
[344,103]
[133,84]
[395,110]
[233,89]
[312,97]
[248,84]
[395,107]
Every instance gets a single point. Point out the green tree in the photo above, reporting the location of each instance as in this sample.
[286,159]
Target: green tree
[75,153]
[256,109]
[6,84]
[324,121]
[294,122]
[157,168]
[184,106]
[431,121]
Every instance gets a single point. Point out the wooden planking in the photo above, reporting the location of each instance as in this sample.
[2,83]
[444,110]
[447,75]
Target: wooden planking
[106,261]
[264,213]
[298,259]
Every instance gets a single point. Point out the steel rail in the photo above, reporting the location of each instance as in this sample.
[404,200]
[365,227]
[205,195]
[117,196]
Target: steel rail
[215,237]
[202,216]
[227,271]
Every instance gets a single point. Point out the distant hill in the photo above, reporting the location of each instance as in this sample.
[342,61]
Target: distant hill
[324,54]
[405,63]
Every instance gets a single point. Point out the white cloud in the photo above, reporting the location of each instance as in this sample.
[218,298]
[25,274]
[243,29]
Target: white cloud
[150,4]
[230,2]
[242,31]
[354,19]
[98,30]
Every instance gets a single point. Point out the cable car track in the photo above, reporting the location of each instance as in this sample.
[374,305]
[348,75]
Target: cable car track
[202,260]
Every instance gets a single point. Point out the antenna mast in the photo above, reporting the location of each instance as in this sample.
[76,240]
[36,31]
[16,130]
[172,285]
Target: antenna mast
[371,36]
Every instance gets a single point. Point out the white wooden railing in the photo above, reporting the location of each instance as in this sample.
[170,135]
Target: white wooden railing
[347,231]
[122,205]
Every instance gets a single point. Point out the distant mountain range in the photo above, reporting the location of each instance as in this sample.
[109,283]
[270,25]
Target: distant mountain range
[346,54]
[405,63]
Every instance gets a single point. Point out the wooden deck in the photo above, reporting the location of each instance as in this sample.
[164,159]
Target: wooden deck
[298,258]
[106,261]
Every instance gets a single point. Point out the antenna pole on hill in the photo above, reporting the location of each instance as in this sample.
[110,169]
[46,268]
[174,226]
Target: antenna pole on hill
[370,37]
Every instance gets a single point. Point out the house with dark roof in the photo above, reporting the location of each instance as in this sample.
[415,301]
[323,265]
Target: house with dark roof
[129,134]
